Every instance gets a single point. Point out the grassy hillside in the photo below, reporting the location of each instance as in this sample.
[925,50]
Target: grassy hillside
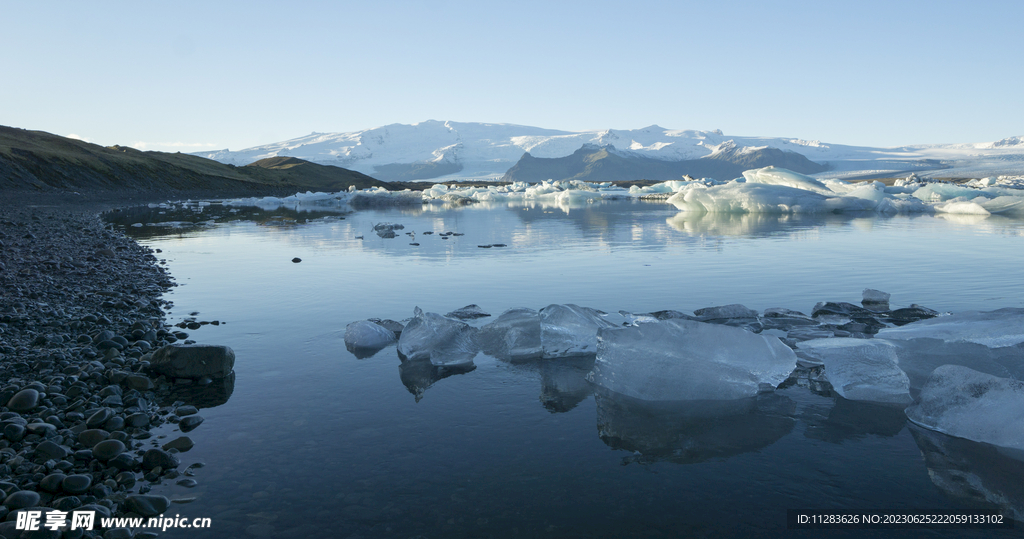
[41,162]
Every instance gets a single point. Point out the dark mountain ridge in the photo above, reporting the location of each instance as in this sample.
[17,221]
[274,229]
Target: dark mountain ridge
[606,164]
[36,161]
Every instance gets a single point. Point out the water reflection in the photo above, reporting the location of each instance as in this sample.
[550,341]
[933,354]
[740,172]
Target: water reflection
[692,431]
[851,420]
[209,395]
[975,474]
[177,219]
[418,375]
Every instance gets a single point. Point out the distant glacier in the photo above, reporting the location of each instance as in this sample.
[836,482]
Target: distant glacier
[436,150]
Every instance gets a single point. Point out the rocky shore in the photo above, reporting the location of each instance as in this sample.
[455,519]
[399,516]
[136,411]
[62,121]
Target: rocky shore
[81,317]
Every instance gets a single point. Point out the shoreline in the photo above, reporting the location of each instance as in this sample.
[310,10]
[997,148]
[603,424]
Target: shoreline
[80,315]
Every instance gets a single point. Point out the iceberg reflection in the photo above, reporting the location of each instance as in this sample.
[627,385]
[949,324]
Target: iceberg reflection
[976,474]
[692,431]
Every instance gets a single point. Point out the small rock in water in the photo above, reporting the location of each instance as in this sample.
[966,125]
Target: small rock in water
[875,300]
[147,505]
[296,260]
[725,311]
[469,312]
[190,423]
[181,443]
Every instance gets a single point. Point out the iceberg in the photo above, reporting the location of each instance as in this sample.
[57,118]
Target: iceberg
[965,403]
[515,335]
[787,178]
[444,341]
[994,329]
[681,360]
[861,369]
[570,330]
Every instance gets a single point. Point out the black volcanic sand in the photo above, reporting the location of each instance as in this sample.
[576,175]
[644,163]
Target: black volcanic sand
[80,309]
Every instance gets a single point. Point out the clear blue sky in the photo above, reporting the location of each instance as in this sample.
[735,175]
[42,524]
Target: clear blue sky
[191,76]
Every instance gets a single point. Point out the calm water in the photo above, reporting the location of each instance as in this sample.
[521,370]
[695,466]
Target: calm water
[313,442]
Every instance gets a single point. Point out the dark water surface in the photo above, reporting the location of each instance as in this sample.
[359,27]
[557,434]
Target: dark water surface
[313,442]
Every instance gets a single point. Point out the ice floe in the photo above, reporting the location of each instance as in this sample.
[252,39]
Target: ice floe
[968,404]
[444,341]
[766,190]
[676,360]
[861,369]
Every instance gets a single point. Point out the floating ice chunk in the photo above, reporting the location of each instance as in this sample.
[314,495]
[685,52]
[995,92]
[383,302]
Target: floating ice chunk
[686,360]
[444,341]
[788,178]
[861,369]
[748,198]
[515,335]
[570,330]
[968,404]
[367,335]
[920,357]
[1002,327]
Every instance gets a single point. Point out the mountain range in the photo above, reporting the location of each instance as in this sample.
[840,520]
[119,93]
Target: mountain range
[436,150]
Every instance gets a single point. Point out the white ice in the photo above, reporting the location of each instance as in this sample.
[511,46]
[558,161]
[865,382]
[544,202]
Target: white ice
[1003,327]
[861,369]
[366,334]
[570,330]
[968,404]
[444,341]
[679,360]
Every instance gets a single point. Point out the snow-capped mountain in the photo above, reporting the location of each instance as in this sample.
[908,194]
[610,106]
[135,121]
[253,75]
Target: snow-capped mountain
[463,150]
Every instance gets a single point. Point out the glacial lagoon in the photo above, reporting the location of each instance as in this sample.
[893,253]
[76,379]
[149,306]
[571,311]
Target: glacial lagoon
[311,440]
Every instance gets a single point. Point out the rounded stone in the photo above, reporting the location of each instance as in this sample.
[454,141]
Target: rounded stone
[181,443]
[114,423]
[76,484]
[137,420]
[92,437]
[190,422]
[48,450]
[22,499]
[147,505]
[14,432]
[52,482]
[99,418]
[159,458]
[24,401]
[107,449]
[124,462]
